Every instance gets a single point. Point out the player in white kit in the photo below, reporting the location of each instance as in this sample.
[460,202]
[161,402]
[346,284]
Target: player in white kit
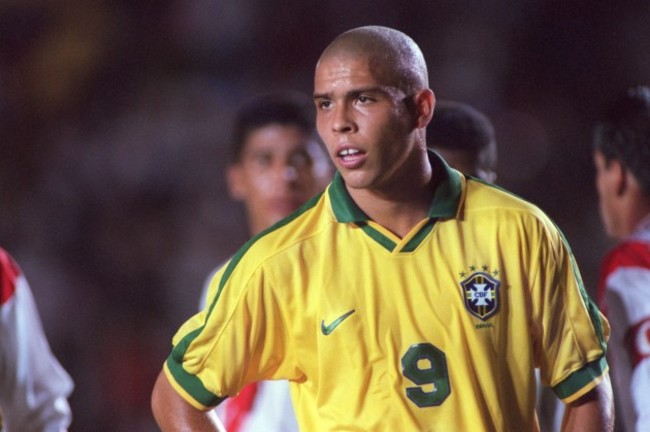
[622,159]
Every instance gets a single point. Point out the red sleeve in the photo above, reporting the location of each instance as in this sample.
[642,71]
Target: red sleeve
[9,271]
[627,254]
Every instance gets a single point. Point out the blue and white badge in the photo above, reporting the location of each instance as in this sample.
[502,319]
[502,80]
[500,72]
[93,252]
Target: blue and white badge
[481,294]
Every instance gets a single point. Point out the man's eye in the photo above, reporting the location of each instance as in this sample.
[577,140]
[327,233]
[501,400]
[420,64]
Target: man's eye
[300,160]
[263,160]
[324,104]
[363,99]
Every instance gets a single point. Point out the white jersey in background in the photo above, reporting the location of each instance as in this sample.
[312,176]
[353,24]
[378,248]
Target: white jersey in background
[33,385]
[624,295]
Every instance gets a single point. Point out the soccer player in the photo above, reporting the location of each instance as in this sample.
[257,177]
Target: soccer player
[622,158]
[406,296]
[465,139]
[277,165]
[33,386]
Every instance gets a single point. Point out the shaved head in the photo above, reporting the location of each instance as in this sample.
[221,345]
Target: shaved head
[394,58]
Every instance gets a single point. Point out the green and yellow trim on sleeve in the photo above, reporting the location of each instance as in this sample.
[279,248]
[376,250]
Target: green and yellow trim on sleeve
[582,381]
[190,387]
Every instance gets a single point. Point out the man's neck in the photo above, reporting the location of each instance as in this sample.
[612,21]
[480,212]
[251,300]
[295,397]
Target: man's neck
[639,214]
[401,206]
[634,208]
[399,217]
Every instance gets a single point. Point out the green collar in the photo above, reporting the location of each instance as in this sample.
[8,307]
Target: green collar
[445,200]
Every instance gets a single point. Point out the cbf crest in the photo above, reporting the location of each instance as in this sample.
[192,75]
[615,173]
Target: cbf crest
[481,293]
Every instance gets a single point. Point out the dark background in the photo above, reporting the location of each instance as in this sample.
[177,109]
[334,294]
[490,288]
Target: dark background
[115,117]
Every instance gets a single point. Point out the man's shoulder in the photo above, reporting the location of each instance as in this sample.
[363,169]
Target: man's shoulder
[482,196]
[291,232]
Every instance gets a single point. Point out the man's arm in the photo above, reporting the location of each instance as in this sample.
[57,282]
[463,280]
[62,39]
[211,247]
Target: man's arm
[173,413]
[592,412]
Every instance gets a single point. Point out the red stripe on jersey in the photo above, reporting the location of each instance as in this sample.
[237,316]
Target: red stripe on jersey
[239,407]
[637,341]
[627,254]
[9,271]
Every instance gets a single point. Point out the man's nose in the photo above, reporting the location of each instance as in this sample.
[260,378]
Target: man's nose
[287,172]
[342,121]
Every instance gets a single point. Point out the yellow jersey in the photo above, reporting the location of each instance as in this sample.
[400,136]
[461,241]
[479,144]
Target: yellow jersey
[439,330]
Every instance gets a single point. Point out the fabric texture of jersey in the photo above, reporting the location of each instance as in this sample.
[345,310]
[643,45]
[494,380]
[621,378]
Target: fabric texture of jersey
[624,293]
[439,330]
[33,385]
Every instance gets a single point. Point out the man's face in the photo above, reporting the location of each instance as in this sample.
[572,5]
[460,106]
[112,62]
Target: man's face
[281,167]
[364,122]
[607,183]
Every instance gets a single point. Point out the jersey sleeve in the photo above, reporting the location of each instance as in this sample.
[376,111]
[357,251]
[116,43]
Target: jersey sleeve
[238,338]
[33,385]
[574,332]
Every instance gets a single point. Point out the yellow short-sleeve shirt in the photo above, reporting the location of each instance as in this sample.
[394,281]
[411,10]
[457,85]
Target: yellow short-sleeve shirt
[439,330]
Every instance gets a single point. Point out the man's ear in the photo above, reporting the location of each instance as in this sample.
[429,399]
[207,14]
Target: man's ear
[236,183]
[425,102]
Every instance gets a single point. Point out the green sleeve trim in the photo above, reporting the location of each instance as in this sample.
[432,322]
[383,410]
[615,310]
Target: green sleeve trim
[192,384]
[580,378]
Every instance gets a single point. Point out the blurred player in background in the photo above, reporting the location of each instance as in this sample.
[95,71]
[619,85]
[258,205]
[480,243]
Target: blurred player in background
[33,386]
[277,165]
[464,137]
[622,159]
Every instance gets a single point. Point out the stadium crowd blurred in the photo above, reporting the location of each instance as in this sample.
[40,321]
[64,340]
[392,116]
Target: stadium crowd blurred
[114,118]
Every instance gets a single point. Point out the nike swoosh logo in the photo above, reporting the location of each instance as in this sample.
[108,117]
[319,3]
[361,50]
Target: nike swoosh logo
[328,329]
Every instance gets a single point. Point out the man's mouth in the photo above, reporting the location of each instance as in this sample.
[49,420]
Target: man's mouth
[350,157]
[348,152]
